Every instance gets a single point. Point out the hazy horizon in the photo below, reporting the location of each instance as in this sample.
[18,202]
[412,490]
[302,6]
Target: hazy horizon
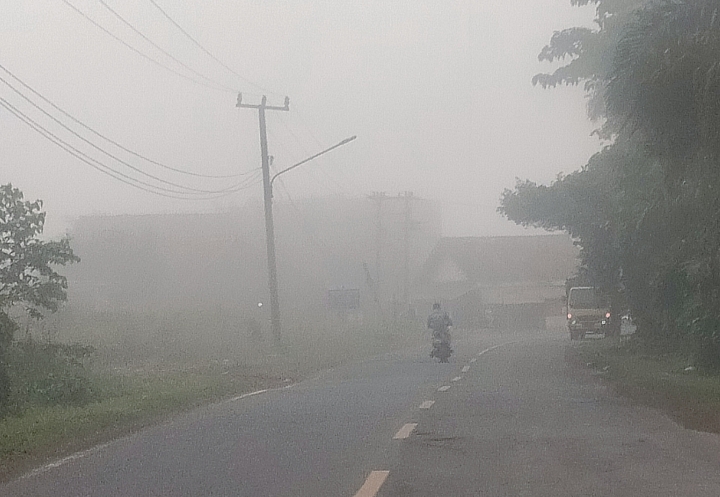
[439,95]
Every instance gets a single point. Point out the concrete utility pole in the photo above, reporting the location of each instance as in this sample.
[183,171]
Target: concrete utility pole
[268,195]
[378,198]
[406,246]
[269,224]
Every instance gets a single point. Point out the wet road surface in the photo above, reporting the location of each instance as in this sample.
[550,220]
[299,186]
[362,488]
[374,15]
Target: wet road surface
[506,417]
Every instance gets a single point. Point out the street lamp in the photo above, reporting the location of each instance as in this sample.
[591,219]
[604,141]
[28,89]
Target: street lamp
[270,240]
[346,140]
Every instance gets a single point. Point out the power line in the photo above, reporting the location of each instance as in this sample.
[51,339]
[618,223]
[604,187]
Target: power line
[304,149]
[108,139]
[162,50]
[281,144]
[308,128]
[105,152]
[167,16]
[314,238]
[213,86]
[98,165]
[79,154]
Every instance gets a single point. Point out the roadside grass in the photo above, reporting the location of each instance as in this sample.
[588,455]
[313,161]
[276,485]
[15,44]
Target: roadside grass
[666,382]
[130,395]
[127,404]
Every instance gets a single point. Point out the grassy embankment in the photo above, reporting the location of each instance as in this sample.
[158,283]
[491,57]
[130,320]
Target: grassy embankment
[666,382]
[132,390]
[122,405]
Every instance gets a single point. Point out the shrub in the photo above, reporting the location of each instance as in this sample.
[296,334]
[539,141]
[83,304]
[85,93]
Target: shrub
[43,374]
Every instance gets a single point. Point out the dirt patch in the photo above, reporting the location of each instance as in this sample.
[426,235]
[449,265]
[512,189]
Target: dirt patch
[690,399]
[687,411]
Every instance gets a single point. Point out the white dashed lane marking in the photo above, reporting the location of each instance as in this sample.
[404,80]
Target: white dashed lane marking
[405,431]
[376,478]
[457,378]
[494,347]
[373,483]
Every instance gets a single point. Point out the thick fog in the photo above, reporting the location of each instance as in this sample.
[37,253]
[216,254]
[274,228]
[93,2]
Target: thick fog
[438,93]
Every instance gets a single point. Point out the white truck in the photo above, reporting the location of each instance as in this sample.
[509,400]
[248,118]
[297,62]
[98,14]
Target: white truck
[587,312]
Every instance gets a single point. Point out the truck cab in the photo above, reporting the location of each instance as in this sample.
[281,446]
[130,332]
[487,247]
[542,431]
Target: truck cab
[587,312]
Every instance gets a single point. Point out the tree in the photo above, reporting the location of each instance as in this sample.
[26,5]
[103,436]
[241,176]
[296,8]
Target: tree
[588,54]
[27,277]
[646,210]
[664,90]
[665,82]
[587,204]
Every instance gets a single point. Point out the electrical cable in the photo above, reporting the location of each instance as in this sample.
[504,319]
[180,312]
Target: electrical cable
[105,152]
[123,178]
[112,141]
[281,145]
[78,154]
[306,151]
[315,239]
[214,86]
[167,16]
[308,128]
[162,50]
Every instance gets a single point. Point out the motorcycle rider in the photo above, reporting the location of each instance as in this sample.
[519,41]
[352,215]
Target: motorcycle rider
[439,322]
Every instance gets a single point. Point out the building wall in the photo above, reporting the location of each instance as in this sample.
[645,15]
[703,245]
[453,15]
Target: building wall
[206,260]
[511,281]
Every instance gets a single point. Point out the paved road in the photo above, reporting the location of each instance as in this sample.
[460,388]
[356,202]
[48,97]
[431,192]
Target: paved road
[516,420]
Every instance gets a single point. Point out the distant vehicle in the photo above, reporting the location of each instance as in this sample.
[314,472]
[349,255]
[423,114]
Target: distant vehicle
[587,312]
[441,346]
[439,322]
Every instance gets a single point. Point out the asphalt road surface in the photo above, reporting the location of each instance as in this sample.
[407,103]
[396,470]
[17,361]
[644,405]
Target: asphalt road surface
[506,417]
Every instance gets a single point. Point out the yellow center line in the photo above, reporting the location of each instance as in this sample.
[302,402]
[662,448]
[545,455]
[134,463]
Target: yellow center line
[405,431]
[427,404]
[372,484]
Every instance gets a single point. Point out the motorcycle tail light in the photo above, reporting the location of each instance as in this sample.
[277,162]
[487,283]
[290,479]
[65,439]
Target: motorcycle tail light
[569,316]
[607,315]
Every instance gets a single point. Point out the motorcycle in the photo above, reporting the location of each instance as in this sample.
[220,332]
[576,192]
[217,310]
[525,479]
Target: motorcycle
[441,346]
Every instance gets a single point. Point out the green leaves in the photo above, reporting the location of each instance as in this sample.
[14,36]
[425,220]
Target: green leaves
[27,275]
[588,54]
[646,210]
[665,83]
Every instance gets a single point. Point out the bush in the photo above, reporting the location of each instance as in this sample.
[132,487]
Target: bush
[7,328]
[44,374]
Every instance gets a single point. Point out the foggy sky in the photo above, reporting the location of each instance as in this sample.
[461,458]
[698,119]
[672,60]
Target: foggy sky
[439,93]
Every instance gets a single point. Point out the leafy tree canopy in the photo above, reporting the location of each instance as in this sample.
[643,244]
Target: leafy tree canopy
[27,276]
[645,210]
[665,83]
[587,54]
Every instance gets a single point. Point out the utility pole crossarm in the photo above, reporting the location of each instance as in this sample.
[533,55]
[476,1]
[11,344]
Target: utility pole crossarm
[263,104]
[267,200]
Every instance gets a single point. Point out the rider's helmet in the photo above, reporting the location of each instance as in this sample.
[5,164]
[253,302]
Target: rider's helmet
[436,306]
